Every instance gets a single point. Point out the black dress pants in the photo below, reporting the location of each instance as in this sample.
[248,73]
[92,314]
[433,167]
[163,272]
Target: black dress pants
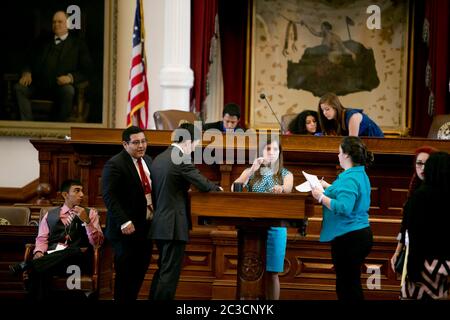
[132,257]
[42,270]
[348,253]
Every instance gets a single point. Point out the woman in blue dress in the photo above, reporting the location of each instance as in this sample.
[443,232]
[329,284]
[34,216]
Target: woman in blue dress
[267,174]
[335,120]
[345,222]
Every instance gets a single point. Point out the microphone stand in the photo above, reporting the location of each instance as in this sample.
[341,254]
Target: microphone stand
[263,97]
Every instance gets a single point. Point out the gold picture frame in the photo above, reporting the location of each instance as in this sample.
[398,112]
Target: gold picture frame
[286,35]
[108,99]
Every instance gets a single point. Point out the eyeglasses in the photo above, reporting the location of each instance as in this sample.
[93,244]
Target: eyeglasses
[420,164]
[138,142]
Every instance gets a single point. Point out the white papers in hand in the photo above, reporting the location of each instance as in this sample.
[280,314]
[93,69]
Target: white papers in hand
[304,187]
[313,180]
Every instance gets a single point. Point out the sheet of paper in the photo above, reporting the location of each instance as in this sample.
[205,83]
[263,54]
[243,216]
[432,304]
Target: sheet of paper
[313,180]
[304,187]
[59,247]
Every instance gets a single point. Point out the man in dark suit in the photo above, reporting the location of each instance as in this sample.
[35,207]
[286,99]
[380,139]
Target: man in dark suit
[172,174]
[126,183]
[54,67]
[230,119]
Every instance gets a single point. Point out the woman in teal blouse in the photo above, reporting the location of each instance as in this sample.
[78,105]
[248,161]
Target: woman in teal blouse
[345,223]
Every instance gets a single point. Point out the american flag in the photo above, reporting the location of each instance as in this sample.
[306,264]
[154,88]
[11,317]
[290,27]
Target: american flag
[137,107]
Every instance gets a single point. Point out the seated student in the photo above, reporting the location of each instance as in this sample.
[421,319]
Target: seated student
[306,122]
[336,120]
[230,121]
[267,174]
[69,230]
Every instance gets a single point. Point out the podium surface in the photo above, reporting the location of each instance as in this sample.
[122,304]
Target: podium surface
[252,214]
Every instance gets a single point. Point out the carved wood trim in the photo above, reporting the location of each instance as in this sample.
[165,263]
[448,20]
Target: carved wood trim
[23,194]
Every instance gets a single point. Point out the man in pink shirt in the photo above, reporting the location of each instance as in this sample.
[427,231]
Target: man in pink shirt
[65,234]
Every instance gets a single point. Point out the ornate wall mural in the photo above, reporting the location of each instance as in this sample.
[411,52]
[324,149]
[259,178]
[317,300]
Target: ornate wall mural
[357,49]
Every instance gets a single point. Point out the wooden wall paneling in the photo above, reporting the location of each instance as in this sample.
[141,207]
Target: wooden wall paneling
[12,248]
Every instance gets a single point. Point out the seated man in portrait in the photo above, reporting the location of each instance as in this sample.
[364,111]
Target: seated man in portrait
[52,71]
[230,119]
[65,234]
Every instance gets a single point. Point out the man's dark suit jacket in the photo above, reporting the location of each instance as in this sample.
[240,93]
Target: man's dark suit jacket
[74,59]
[171,182]
[124,196]
[217,125]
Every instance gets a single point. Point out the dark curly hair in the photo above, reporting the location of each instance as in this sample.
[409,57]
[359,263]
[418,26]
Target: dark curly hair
[298,124]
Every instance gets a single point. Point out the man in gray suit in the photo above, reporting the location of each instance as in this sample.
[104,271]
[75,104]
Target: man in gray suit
[172,174]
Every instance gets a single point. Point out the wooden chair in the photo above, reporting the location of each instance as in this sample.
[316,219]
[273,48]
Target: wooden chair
[286,120]
[89,282]
[80,110]
[42,108]
[171,119]
[18,216]
[440,127]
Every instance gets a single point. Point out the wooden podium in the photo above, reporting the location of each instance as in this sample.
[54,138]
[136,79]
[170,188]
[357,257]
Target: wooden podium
[252,214]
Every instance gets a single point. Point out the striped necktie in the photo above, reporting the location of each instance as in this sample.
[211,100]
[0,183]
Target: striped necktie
[70,216]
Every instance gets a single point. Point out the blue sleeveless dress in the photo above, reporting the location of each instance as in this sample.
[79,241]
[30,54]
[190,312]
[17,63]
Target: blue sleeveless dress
[367,127]
[276,236]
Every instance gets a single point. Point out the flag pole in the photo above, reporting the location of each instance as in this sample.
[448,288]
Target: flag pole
[141,11]
[144,56]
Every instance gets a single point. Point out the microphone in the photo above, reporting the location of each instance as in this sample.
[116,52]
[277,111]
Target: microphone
[263,97]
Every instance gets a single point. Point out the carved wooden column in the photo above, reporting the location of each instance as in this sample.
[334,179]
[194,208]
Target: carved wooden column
[251,262]
[84,164]
[225,176]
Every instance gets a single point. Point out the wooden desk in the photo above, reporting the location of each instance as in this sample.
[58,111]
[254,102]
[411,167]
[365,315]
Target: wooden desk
[252,214]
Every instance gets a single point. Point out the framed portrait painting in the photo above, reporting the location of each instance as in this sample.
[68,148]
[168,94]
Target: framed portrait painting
[37,64]
[357,49]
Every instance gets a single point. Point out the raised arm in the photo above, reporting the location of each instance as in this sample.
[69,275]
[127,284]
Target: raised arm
[313,32]
[247,173]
